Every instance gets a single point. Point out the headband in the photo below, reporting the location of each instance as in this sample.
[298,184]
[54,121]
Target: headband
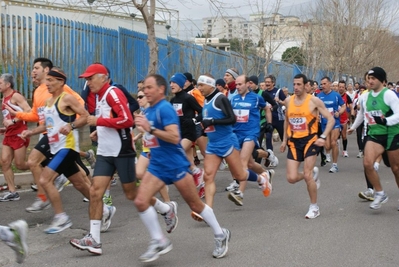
[57,74]
[232,73]
[206,80]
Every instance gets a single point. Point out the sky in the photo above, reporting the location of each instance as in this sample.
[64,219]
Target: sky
[191,12]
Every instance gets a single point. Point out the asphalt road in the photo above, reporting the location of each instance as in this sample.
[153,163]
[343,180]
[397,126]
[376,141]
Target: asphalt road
[265,231]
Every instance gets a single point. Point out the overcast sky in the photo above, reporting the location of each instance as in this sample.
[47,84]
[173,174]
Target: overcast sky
[191,12]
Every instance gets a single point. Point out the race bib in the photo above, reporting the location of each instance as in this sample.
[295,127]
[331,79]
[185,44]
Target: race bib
[242,115]
[210,129]
[179,109]
[298,124]
[369,116]
[53,138]
[150,141]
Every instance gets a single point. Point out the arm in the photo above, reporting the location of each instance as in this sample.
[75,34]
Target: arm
[268,114]
[224,104]
[21,102]
[393,101]
[31,116]
[195,106]
[169,134]
[133,104]
[118,103]
[285,137]
[269,99]
[359,117]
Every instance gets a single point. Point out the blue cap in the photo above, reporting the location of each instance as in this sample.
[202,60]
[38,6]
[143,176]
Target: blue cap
[179,79]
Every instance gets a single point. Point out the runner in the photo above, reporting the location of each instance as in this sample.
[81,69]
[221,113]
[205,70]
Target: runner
[300,136]
[162,126]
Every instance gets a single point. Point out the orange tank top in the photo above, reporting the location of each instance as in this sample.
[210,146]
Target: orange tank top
[301,121]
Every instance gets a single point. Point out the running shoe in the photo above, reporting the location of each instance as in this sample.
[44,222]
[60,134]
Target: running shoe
[236,197]
[378,201]
[233,186]
[197,161]
[328,158]
[316,176]
[367,195]
[113,181]
[91,158]
[272,158]
[155,249]
[106,221]
[107,200]
[58,225]
[38,206]
[170,217]
[222,165]
[33,187]
[345,154]
[198,177]
[87,243]
[360,155]
[333,169]
[313,212]
[266,186]
[85,199]
[20,230]
[222,244]
[196,216]
[201,191]
[60,182]
[10,196]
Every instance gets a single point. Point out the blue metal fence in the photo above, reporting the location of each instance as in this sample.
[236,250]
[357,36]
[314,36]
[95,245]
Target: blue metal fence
[74,45]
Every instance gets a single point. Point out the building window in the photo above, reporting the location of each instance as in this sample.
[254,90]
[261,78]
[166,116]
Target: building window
[209,21]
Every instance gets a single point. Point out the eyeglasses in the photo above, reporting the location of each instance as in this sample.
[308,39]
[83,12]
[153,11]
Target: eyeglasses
[140,96]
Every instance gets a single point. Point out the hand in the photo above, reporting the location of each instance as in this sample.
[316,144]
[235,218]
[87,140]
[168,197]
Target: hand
[206,123]
[379,120]
[336,114]
[7,123]
[66,129]
[141,121]
[93,136]
[92,120]
[350,131]
[25,134]
[2,130]
[320,142]
[267,127]
[283,146]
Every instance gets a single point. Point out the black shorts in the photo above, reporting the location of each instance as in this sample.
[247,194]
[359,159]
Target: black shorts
[388,141]
[199,130]
[43,147]
[301,148]
[189,133]
[82,165]
[106,166]
[64,162]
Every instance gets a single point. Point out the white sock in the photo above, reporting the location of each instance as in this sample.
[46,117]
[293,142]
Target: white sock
[376,166]
[211,220]
[60,215]
[335,165]
[150,220]
[314,206]
[95,228]
[381,193]
[161,206]
[6,234]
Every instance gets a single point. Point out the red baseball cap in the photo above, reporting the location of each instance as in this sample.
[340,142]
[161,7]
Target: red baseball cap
[94,69]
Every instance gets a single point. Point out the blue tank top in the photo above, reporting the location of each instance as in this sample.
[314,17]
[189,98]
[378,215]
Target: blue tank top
[216,133]
[332,101]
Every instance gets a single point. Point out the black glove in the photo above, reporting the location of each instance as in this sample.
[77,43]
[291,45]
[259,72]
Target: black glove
[274,108]
[207,122]
[267,127]
[379,120]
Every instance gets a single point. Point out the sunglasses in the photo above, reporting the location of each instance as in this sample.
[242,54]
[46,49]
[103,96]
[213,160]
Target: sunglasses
[140,96]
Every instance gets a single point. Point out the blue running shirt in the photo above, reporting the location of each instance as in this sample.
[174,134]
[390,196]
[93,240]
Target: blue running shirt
[333,101]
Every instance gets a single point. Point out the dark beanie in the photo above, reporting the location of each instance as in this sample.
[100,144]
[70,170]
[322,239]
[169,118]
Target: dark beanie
[378,73]
[254,79]
[189,76]
[220,82]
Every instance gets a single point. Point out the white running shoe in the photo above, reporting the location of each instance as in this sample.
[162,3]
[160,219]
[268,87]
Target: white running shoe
[378,201]
[313,212]
[333,169]
[58,225]
[222,165]
[233,186]
[20,231]
[316,176]
[272,158]
[328,158]
[60,182]
[367,195]
[360,155]
[106,220]
[38,206]
[345,154]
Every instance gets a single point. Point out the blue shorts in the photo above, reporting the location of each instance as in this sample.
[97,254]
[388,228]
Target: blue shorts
[169,176]
[145,154]
[223,149]
[247,138]
[336,126]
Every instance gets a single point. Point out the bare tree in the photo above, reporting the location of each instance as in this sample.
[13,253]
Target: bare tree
[148,13]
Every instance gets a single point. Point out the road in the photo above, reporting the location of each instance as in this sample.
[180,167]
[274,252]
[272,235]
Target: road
[265,231]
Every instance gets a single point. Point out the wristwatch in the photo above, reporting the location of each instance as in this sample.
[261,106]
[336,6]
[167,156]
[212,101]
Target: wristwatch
[14,121]
[73,126]
[152,129]
[323,137]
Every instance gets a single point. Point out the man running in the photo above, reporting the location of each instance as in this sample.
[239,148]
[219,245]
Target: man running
[336,106]
[168,164]
[300,135]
